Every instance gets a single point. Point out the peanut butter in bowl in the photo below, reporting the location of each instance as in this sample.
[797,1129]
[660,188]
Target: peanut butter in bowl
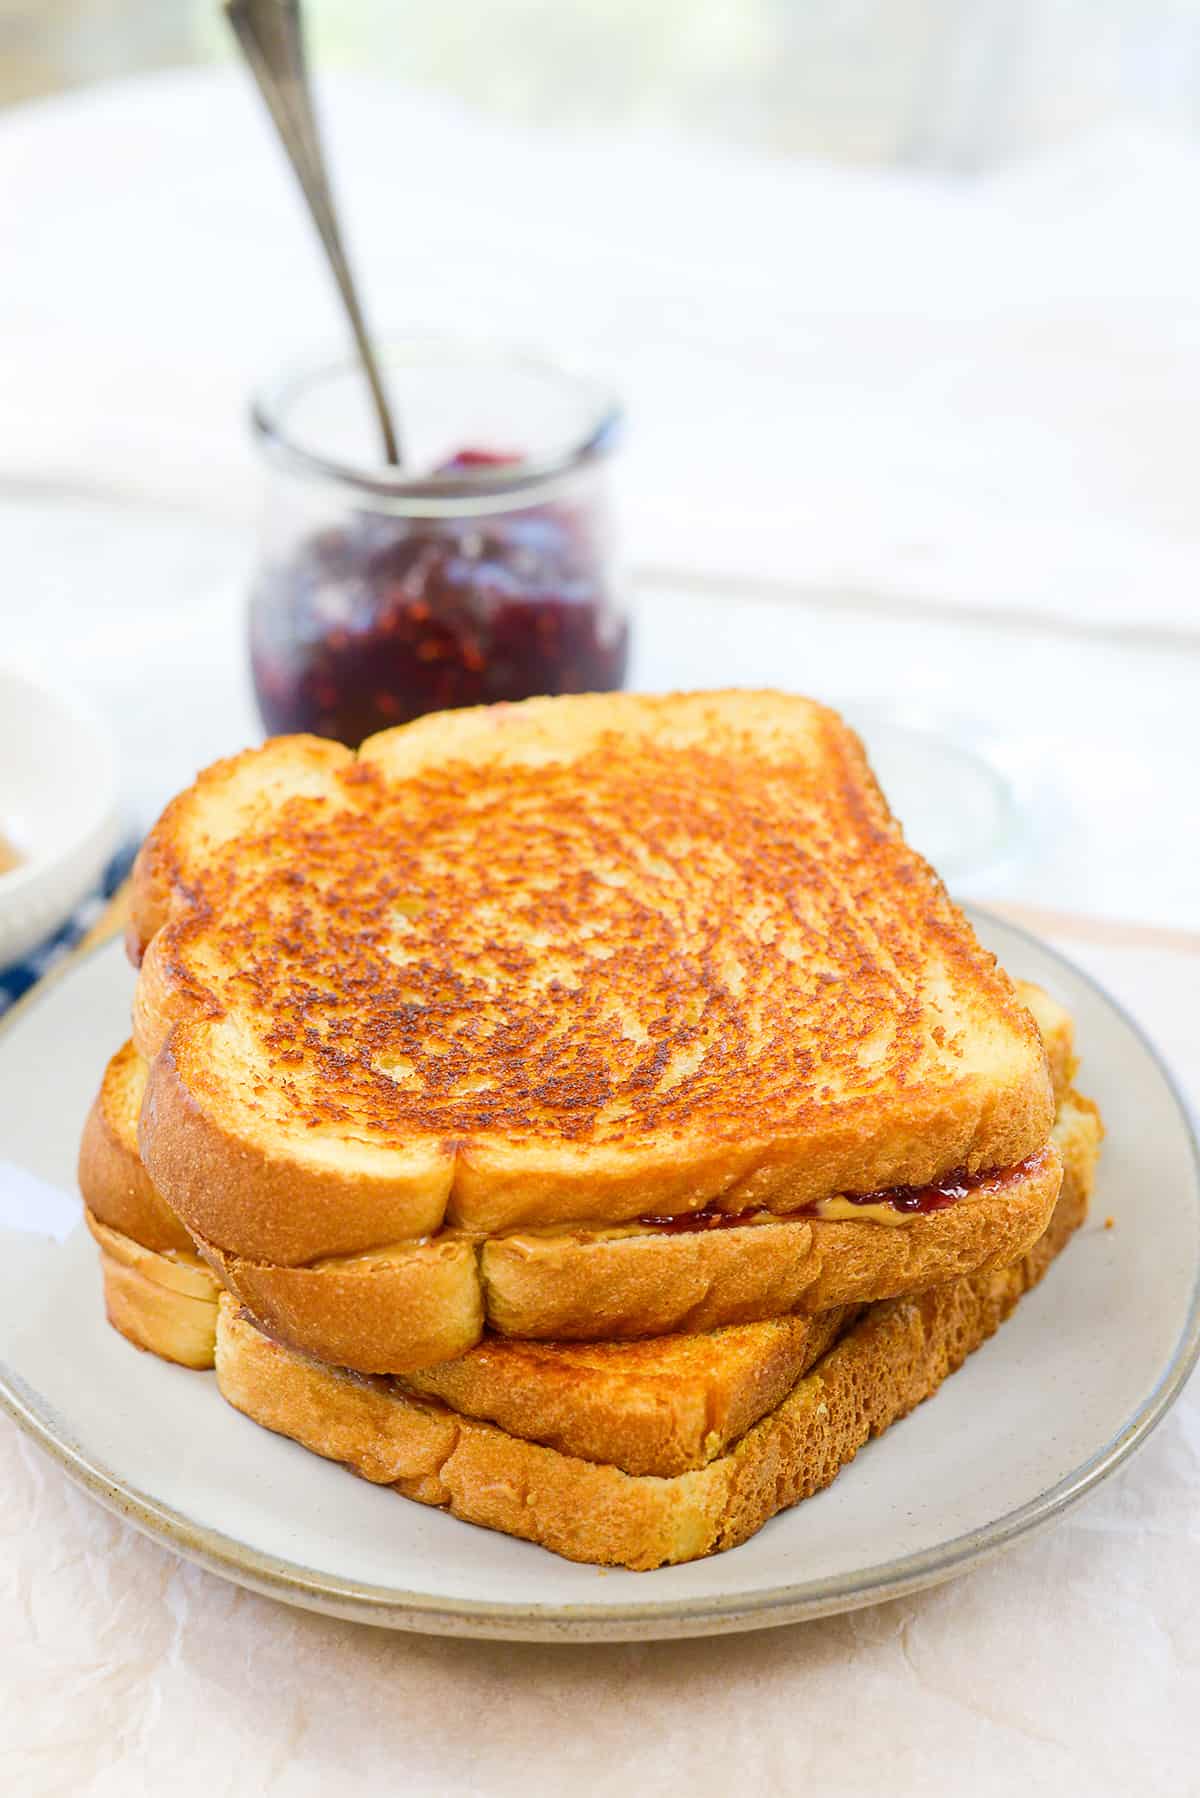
[10,857]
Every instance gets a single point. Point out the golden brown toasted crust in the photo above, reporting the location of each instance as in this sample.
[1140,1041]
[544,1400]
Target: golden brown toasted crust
[617,1402]
[157,1005]
[210,1160]
[886,1364]
[396,1310]
[403,1310]
[1057,1032]
[583,1286]
[113,1181]
[574,960]
[225,798]
[547,1286]
[657,1407]
[638,1405]
[422,1303]
[383,1314]
[1056,1027]
[165,1303]
[972,1237]
[576,1287]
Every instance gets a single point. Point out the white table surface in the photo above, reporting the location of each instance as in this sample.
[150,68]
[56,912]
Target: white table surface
[945,431]
[894,437]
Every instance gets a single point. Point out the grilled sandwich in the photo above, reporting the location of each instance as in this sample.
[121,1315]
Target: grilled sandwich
[583,1018]
[660,1406]
[623,1452]
[892,1357]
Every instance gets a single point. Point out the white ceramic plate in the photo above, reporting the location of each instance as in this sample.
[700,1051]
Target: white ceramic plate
[1066,1390]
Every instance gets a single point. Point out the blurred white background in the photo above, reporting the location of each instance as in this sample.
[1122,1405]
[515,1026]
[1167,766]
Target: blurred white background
[903,297]
[955,83]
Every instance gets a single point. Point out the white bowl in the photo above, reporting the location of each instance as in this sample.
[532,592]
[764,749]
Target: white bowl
[58,809]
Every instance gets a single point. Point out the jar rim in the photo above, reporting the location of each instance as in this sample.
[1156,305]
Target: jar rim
[499,487]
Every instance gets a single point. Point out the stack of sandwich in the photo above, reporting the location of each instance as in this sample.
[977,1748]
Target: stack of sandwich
[589,1116]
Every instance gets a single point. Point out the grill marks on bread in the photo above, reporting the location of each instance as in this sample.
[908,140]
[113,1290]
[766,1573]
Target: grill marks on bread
[618,943]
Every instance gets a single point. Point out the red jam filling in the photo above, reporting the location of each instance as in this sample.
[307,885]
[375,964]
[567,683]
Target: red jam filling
[910,1200]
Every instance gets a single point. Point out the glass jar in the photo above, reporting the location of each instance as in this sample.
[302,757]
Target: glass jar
[484,569]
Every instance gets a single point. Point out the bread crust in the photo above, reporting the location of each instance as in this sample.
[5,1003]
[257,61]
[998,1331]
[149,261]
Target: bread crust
[163,1303]
[158,1005]
[210,1161]
[112,1178]
[377,1314]
[976,1126]
[417,1304]
[578,1287]
[906,1051]
[406,1309]
[658,1407]
[897,1355]
[226,797]
[575,1288]
[1057,1031]
[972,1237]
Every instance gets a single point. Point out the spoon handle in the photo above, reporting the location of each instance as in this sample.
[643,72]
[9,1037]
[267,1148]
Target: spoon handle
[271,36]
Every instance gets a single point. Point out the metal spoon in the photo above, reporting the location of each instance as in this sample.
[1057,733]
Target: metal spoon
[271,36]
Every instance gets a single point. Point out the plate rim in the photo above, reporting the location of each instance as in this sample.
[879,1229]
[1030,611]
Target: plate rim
[389,1607]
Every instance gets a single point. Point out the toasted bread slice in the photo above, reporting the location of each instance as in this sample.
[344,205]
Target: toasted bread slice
[895,1356]
[382,1312]
[626,1283]
[640,1405]
[165,1302]
[545,1285]
[659,1407]
[398,1309]
[573,962]
[1057,1031]
[414,1304]
[656,1407]
[611,1283]
[402,1309]
[115,1185]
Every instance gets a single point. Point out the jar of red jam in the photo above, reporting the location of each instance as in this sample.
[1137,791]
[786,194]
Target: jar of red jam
[482,569]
